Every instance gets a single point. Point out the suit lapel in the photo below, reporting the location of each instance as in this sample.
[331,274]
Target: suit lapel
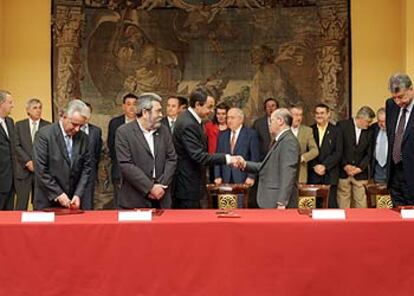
[409,126]
[2,131]
[140,136]
[27,135]
[239,140]
[61,143]
[157,142]
[274,146]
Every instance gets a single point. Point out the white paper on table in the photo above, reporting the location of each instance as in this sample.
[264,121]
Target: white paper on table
[407,214]
[137,215]
[30,217]
[331,214]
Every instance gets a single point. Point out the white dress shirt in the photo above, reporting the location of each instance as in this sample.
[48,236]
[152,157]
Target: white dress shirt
[4,126]
[149,137]
[357,132]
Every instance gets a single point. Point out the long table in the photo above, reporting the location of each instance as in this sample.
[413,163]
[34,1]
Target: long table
[193,252]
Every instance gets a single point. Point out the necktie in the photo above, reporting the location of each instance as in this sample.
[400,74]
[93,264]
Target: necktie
[381,150]
[396,149]
[68,141]
[4,126]
[172,126]
[34,130]
[232,141]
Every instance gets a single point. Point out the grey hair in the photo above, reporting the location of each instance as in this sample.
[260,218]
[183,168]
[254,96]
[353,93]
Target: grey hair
[3,95]
[145,102]
[380,111]
[398,82]
[239,111]
[77,106]
[284,114]
[31,102]
[365,112]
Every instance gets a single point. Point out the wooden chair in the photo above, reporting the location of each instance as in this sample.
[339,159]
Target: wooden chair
[308,194]
[378,196]
[227,195]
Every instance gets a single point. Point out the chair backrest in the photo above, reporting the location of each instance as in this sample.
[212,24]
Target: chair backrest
[378,196]
[227,195]
[308,194]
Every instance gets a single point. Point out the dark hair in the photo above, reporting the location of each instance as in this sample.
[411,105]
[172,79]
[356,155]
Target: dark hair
[322,105]
[221,106]
[270,99]
[296,106]
[182,101]
[199,95]
[128,96]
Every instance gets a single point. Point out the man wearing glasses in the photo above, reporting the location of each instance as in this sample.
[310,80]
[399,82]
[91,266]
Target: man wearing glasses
[62,160]
[400,133]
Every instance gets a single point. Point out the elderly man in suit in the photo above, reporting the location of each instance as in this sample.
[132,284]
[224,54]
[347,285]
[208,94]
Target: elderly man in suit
[400,132]
[262,126]
[356,158]
[190,144]
[62,161]
[129,114]
[238,139]
[26,130]
[278,172]
[308,147]
[95,147]
[324,169]
[146,157]
[7,151]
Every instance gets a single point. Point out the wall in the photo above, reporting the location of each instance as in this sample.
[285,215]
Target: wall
[25,54]
[382,43]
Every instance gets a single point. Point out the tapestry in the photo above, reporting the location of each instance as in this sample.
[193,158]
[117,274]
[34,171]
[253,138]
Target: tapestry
[244,51]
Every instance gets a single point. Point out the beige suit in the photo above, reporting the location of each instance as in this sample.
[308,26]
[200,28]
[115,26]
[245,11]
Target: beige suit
[308,151]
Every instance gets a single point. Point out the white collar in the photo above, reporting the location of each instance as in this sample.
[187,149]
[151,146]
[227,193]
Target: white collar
[144,130]
[192,111]
[63,130]
[237,131]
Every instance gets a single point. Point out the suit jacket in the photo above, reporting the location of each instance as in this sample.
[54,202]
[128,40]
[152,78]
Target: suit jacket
[136,164]
[357,155]
[95,148]
[330,155]
[7,156]
[308,150]
[278,173]
[24,146]
[166,123]
[393,111]
[261,126]
[114,124]
[190,144]
[55,173]
[247,146]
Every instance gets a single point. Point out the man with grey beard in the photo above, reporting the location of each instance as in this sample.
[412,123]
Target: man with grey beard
[146,157]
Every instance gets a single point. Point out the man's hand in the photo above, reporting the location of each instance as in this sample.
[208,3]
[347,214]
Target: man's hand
[218,181]
[75,203]
[238,162]
[157,191]
[249,182]
[349,169]
[320,169]
[356,171]
[29,166]
[64,200]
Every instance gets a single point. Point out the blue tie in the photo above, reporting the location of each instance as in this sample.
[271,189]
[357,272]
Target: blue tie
[381,149]
[68,141]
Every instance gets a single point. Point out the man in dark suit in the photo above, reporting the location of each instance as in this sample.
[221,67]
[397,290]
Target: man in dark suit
[62,161]
[278,172]
[190,144]
[380,149]
[237,140]
[400,132]
[146,157]
[95,147]
[129,114]
[356,158]
[7,151]
[26,130]
[324,169]
[262,126]
[173,107]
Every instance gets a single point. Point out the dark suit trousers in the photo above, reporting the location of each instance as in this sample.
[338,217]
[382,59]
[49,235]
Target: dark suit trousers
[23,189]
[6,200]
[398,185]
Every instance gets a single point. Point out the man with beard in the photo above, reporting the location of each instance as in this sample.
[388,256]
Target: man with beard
[146,157]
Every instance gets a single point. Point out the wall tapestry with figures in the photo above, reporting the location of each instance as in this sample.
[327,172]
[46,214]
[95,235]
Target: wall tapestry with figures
[245,51]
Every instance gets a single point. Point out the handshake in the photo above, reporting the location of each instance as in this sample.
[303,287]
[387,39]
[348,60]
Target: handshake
[238,162]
